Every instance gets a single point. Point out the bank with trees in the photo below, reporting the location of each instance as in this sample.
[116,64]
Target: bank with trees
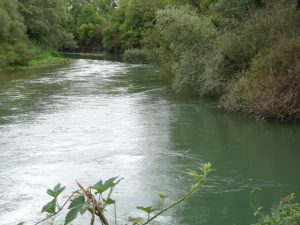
[243,53]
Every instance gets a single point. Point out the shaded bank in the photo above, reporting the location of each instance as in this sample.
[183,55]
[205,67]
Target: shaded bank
[242,52]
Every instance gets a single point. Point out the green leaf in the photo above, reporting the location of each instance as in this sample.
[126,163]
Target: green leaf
[110,182]
[21,223]
[257,211]
[162,196]
[206,168]
[101,187]
[79,204]
[57,190]
[194,174]
[136,220]
[72,214]
[148,210]
[109,201]
[50,207]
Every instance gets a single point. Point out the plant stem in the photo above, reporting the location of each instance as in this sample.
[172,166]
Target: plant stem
[61,208]
[90,196]
[115,213]
[171,206]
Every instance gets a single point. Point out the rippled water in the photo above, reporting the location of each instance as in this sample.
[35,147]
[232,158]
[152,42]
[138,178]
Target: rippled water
[95,119]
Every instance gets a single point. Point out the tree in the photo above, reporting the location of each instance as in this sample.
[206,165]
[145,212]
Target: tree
[138,13]
[46,22]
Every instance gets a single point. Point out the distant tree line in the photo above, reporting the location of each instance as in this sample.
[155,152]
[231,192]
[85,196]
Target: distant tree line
[245,53]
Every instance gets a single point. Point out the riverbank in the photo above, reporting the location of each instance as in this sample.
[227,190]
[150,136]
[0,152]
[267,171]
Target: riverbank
[45,59]
[250,63]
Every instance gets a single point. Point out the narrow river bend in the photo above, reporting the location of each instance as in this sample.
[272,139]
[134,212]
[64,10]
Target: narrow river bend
[95,118]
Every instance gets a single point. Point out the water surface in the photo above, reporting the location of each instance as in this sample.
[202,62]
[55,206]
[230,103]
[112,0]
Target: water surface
[97,118]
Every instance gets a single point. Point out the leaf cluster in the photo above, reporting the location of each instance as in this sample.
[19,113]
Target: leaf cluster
[94,199]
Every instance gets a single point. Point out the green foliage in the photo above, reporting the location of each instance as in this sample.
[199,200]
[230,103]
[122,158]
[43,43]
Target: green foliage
[215,52]
[46,22]
[101,186]
[200,5]
[138,13]
[21,223]
[270,89]
[287,212]
[78,205]
[83,200]
[90,34]
[51,206]
[209,47]
[163,196]
[20,20]
[136,56]
[136,220]
[231,13]
[57,190]
[181,42]
[258,33]
[11,23]
[112,26]
[148,209]
[112,37]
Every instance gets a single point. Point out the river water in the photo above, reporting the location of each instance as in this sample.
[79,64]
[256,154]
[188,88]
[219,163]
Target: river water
[95,118]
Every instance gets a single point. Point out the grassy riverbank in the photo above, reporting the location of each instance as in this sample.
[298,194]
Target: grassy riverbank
[32,32]
[44,60]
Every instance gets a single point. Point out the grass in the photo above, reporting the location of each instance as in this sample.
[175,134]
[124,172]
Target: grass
[44,60]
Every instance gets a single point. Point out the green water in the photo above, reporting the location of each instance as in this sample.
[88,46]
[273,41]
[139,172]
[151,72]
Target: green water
[96,118]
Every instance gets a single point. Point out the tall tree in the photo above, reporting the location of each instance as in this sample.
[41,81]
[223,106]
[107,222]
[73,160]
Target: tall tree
[46,21]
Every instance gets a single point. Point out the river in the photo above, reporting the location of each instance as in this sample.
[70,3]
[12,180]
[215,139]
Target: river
[95,118]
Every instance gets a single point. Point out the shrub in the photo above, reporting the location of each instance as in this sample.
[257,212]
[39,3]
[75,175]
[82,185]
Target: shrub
[271,88]
[135,56]
[287,212]
[181,42]
[259,32]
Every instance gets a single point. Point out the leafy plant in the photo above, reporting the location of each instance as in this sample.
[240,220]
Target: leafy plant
[96,198]
[286,212]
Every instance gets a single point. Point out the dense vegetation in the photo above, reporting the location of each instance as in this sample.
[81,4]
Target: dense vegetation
[31,30]
[245,53]
[286,212]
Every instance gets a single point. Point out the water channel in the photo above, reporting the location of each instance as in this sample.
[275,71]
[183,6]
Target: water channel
[96,117]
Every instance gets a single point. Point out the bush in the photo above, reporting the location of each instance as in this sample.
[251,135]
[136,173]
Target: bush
[137,56]
[182,42]
[271,88]
[287,212]
[258,33]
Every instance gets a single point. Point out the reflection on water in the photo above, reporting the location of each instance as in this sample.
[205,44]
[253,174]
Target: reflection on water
[95,119]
